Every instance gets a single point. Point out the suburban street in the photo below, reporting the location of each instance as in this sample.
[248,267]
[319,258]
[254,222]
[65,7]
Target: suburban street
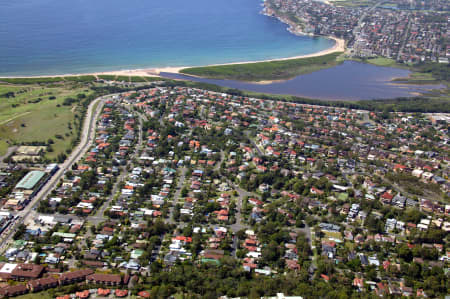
[172,179]
[87,137]
[98,216]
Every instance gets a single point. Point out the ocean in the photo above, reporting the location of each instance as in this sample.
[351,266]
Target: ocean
[49,37]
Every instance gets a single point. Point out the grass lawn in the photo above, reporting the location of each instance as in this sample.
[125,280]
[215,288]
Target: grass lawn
[350,246]
[333,235]
[3,147]
[40,295]
[380,61]
[270,70]
[36,113]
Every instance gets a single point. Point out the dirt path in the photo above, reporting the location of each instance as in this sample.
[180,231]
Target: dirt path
[10,150]
[13,118]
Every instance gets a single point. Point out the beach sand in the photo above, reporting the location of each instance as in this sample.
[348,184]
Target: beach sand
[339,46]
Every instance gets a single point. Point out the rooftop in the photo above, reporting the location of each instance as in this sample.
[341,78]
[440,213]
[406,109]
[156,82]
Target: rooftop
[30,180]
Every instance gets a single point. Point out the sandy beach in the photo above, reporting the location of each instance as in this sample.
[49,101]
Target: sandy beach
[339,46]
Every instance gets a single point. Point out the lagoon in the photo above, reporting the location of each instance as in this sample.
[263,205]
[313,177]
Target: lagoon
[49,37]
[348,81]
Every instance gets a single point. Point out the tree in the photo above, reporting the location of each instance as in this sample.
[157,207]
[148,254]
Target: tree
[303,247]
[20,231]
[270,253]
[373,224]
[371,274]
[405,253]
[241,234]
[354,264]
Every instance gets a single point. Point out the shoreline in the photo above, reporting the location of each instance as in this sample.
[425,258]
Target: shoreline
[339,46]
[293,28]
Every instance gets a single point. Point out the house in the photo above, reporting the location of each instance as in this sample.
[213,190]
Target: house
[427,176]
[364,260]
[255,201]
[359,283]
[26,272]
[329,227]
[12,291]
[83,294]
[292,264]
[75,276]
[121,293]
[399,201]
[399,167]
[103,292]
[316,191]
[42,284]
[386,198]
[105,279]
[144,294]
[374,261]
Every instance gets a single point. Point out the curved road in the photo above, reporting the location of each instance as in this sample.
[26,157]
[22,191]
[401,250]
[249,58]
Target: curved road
[87,137]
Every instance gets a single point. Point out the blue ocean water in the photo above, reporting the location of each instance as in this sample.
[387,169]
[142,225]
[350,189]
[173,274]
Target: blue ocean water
[57,37]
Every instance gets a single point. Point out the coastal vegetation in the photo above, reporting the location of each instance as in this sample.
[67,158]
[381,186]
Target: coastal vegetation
[418,78]
[128,78]
[269,70]
[440,71]
[47,80]
[422,73]
[136,79]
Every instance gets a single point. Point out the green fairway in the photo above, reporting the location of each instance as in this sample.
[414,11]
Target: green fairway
[270,70]
[35,112]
